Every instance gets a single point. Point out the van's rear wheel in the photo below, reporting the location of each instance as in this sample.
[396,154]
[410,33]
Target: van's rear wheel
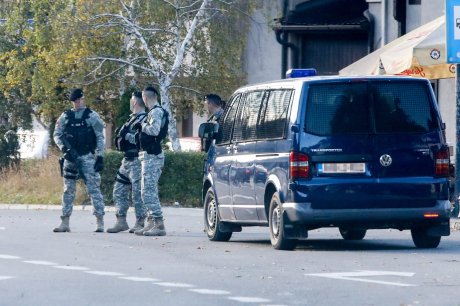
[211,219]
[422,240]
[276,225]
[350,234]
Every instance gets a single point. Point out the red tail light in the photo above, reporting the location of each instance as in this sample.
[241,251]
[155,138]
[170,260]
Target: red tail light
[298,165]
[442,162]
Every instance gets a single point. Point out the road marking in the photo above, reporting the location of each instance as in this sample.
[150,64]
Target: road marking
[4,256]
[5,277]
[248,299]
[2,228]
[356,276]
[140,279]
[104,273]
[74,268]
[209,291]
[41,262]
[177,285]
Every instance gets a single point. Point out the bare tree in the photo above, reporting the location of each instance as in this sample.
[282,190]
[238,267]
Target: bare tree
[159,49]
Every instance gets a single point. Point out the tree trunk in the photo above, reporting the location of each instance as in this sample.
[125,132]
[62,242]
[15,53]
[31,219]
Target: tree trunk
[172,128]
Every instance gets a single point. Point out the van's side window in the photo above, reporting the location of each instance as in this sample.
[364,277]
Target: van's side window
[272,122]
[229,119]
[245,126]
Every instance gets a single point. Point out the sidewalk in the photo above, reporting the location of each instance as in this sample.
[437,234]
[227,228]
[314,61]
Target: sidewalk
[454,222]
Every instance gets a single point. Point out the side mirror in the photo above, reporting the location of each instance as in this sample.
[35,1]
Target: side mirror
[207,130]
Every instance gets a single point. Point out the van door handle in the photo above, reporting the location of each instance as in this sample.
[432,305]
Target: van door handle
[229,149]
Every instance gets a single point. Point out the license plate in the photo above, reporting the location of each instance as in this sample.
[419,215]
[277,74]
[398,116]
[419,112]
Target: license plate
[342,168]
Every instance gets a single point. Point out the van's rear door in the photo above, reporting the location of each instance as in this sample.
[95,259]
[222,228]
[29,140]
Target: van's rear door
[370,144]
[406,129]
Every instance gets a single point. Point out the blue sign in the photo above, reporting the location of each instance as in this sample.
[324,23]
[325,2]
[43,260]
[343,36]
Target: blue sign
[453,31]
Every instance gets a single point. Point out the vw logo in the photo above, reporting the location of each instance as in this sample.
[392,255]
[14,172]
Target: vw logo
[385,160]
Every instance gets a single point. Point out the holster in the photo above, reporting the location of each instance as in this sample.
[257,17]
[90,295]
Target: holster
[61,165]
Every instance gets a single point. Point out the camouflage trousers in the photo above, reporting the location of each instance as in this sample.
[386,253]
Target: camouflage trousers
[129,179]
[151,171]
[92,183]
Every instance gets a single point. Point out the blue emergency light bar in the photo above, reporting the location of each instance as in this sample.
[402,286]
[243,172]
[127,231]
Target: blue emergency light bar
[300,73]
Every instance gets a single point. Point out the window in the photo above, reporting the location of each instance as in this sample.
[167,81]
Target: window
[227,123]
[369,107]
[402,108]
[272,123]
[337,109]
[245,127]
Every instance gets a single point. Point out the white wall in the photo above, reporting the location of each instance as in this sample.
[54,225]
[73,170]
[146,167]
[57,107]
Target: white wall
[446,99]
[263,52]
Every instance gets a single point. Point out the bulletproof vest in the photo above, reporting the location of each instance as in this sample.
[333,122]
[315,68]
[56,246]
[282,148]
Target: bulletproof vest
[78,133]
[152,144]
[120,142]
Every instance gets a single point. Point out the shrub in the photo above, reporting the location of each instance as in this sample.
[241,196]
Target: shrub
[9,148]
[180,181]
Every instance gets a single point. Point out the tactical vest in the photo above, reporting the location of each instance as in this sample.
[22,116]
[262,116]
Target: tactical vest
[152,144]
[78,133]
[120,142]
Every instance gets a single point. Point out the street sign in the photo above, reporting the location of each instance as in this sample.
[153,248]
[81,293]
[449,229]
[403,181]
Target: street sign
[453,31]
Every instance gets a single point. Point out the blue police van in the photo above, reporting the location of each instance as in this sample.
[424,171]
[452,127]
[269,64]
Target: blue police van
[355,153]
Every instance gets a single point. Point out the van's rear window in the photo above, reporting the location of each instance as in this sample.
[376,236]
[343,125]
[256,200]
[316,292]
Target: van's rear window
[369,107]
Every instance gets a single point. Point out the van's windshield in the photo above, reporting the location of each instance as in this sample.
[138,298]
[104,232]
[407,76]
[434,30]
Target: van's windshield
[369,107]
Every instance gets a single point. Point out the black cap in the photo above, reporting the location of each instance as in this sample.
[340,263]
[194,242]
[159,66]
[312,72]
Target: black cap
[76,94]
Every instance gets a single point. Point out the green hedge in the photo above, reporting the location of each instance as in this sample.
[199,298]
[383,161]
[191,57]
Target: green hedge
[180,181]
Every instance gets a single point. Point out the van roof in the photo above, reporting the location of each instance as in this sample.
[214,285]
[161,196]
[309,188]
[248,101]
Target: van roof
[295,82]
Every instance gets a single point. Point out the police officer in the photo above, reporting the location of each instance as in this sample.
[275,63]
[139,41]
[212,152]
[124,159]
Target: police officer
[129,174]
[151,132]
[215,109]
[79,135]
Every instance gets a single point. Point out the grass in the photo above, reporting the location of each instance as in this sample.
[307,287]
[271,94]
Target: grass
[35,182]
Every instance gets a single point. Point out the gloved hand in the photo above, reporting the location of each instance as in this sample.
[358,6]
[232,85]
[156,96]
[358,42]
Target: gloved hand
[99,164]
[70,154]
[126,137]
[138,126]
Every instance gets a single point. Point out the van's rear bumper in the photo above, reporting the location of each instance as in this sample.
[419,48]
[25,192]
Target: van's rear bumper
[401,218]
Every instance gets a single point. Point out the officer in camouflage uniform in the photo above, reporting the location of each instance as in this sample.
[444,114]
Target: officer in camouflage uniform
[129,175]
[151,132]
[79,135]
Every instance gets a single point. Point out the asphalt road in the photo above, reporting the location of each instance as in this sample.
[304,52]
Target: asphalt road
[39,267]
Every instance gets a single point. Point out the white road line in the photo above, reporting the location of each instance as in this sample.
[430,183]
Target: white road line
[5,277]
[41,262]
[209,291]
[177,285]
[104,273]
[2,228]
[4,256]
[248,299]
[74,268]
[357,277]
[139,279]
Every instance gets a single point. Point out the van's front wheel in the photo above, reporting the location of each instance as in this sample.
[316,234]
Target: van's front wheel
[211,219]
[276,225]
